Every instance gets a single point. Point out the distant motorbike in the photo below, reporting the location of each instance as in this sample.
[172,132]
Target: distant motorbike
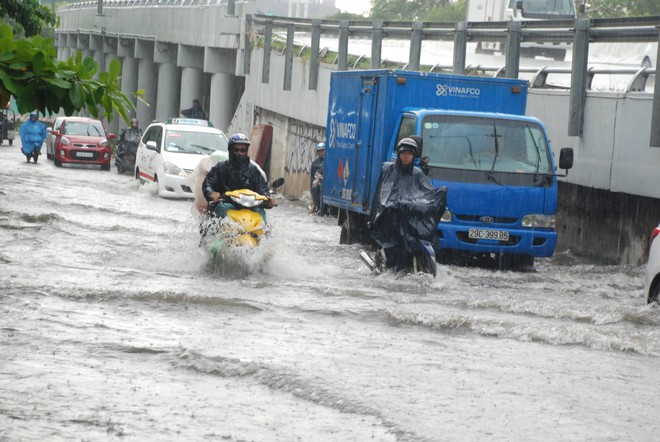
[405,235]
[243,225]
[125,156]
[33,150]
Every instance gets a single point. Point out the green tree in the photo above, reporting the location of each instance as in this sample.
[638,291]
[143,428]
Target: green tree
[28,14]
[623,8]
[30,71]
[418,10]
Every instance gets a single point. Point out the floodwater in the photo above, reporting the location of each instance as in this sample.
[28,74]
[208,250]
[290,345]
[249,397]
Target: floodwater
[115,325]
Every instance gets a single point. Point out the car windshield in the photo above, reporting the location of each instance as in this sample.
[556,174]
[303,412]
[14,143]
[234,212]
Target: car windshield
[194,142]
[469,143]
[92,129]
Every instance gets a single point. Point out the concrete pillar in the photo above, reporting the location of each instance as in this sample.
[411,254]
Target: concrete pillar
[129,79]
[192,86]
[167,97]
[99,58]
[117,121]
[221,109]
[147,80]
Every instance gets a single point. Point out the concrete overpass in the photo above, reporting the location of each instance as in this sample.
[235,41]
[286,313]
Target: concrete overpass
[178,50]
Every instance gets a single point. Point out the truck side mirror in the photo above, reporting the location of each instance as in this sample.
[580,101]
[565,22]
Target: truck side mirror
[581,8]
[566,158]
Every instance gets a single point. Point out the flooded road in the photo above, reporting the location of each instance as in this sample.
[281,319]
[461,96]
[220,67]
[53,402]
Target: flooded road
[115,325]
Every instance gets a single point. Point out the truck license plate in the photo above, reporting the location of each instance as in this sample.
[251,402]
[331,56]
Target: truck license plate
[85,154]
[498,235]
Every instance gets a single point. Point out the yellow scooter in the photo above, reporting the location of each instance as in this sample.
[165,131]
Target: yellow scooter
[243,224]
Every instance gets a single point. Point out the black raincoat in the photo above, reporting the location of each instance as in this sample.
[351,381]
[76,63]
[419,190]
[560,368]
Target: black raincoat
[406,209]
[232,175]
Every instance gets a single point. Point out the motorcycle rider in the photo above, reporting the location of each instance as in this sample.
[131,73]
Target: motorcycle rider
[33,134]
[316,178]
[129,138]
[237,172]
[391,223]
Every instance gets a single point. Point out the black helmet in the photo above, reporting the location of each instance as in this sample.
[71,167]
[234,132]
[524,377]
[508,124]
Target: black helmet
[237,138]
[406,144]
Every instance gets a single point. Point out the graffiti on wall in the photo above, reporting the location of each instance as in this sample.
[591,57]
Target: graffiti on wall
[302,146]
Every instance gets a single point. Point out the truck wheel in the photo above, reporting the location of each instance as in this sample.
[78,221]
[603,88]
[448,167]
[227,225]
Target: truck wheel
[559,55]
[11,142]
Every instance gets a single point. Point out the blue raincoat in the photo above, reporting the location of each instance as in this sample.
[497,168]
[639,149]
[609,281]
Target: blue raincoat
[33,134]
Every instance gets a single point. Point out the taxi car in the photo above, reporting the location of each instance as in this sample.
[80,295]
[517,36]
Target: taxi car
[82,140]
[652,274]
[168,152]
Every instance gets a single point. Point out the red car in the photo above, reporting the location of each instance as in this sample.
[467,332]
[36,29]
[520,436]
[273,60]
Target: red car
[82,140]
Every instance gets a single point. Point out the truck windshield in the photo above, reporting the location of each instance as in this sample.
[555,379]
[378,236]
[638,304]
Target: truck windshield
[548,9]
[468,143]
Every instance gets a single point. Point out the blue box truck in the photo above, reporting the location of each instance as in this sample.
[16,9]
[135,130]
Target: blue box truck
[475,139]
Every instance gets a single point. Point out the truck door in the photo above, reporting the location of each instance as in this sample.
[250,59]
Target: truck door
[364,146]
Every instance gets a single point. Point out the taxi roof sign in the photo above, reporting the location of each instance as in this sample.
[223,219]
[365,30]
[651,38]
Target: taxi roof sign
[190,122]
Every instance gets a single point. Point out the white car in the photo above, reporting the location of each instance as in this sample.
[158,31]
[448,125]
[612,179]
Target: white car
[169,152]
[652,275]
[52,139]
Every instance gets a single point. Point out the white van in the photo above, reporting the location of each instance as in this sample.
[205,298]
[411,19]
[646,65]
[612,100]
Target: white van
[169,152]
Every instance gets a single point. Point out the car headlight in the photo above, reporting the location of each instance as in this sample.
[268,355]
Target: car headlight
[173,169]
[537,221]
[103,143]
[446,217]
[65,141]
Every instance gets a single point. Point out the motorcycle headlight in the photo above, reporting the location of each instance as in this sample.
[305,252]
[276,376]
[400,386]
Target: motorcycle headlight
[65,141]
[246,200]
[538,221]
[173,169]
[446,217]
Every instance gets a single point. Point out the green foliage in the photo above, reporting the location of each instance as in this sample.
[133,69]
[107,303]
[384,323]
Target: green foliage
[346,16]
[30,71]
[28,14]
[623,8]
[409,10]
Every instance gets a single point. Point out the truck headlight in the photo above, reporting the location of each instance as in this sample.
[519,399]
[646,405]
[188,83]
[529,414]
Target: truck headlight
[537,221]
[173,169]
[446,217]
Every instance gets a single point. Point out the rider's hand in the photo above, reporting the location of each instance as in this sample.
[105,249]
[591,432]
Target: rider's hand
[272,202]
[215,196]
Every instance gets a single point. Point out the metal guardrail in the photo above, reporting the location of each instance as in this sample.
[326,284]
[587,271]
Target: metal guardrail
[579,33]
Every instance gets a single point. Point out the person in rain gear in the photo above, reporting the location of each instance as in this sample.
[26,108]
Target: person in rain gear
[238,172]
[33,134]
[316,178]
[131,134]
[195,111]
[406,207]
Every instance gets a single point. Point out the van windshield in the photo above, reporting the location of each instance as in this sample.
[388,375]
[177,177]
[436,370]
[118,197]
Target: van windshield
[469,143]
[201,143]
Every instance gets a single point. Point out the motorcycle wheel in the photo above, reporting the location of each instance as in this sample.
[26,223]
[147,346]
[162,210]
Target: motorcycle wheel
[425,264]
